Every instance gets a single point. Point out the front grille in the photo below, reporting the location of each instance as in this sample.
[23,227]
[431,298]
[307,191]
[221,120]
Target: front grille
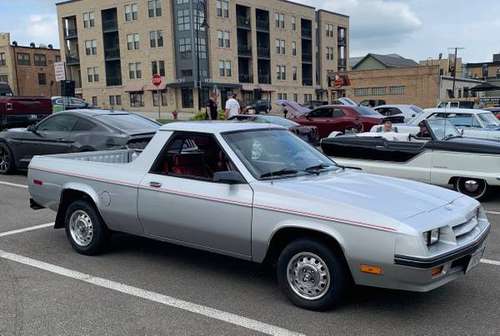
[467,229]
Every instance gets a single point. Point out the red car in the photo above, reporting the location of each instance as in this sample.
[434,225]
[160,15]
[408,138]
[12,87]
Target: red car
[340,118]
[23,111]
[495,111]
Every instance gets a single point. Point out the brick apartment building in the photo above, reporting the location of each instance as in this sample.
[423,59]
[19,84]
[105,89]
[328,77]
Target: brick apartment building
[265,49]
[29,70]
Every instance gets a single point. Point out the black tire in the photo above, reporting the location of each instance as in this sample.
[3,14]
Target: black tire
[331,294]
[7,161]
[478,190]
[81,212]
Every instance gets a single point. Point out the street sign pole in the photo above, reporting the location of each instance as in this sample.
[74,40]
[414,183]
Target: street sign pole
[157,80]
[159,103]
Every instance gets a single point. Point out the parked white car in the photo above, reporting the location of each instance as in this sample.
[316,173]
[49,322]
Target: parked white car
[474,123]
[407,111]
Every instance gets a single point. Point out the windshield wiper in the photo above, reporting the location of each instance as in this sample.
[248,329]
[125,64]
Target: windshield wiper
[281,172]
[317,168]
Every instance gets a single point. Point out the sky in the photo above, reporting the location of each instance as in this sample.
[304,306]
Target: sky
[416,29]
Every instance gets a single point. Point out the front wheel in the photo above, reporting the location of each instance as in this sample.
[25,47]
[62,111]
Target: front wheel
[7,164]
[312,275]
[85,229]
[475,188]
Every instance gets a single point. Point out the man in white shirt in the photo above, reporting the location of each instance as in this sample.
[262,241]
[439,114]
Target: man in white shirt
[232,107]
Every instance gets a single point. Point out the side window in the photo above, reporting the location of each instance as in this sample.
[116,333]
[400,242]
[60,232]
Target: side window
[394,111]
[83,125]
[324,112]
[337,113]
[59,123]
[382,111]
[462,120]
[192,155]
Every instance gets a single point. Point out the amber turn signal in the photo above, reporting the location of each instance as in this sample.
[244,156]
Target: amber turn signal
[370,269]
[437,270]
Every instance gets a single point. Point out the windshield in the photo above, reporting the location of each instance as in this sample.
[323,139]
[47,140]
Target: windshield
[488,119]
[128,122]
[366,111]
[278,121]
[443,129]
[275,153]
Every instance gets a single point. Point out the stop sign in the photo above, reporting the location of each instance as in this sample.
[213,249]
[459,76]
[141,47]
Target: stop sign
[156,80]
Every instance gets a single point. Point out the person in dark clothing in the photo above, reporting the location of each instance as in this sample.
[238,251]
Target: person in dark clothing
[212,105]
[424,131]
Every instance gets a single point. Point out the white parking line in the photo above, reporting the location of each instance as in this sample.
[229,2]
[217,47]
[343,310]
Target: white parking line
[493,212]
[15,185]
[490,262]
[216,314]
[31,228]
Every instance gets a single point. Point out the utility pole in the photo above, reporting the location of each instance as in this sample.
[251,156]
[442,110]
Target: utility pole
[455,66]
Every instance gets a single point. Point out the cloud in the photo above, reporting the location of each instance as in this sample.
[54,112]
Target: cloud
[41,28]
[375,24]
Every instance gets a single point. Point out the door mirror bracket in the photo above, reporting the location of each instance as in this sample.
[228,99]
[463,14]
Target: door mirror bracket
[229,177]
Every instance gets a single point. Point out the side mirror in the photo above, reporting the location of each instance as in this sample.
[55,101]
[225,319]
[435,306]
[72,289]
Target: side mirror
[229,177]
[31,128]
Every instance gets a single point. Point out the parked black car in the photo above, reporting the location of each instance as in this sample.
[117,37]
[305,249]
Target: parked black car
[307,133]
[74,131]
[260,106]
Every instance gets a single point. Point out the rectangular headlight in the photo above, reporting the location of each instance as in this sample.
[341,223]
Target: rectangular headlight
[432,237]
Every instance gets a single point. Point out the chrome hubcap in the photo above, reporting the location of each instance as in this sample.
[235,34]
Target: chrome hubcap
[81,228]
[308,276]
[471,186]
[4,159]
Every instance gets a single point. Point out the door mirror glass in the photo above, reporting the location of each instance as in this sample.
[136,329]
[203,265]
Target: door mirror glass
[229,177]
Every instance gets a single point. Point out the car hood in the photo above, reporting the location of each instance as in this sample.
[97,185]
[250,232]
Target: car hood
[359,196]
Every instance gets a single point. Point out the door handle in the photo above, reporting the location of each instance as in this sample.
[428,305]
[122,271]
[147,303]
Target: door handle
[155,184]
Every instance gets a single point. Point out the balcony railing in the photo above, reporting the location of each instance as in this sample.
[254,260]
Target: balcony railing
[307,57]
[244,50]
[264,79]
[341,41]
[342,62]
[244,22]
[113,81]
[72,59]
[307,81]
[306,33]
[112,53]
[263,52]
[262,24]
[245,78]
[109,25]
[70,33]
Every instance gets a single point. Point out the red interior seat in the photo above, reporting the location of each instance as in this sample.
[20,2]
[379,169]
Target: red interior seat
[189,164]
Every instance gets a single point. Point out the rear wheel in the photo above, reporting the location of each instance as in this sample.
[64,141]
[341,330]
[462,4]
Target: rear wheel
[85,229]
[475,188]
[312,275]
[7,164]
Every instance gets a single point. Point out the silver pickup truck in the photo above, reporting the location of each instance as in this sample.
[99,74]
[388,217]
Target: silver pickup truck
[258,192]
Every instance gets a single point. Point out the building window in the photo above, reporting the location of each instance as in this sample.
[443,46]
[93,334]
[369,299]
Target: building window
[329,30]
[158,68]
[222,68]
[280,47]
[42,79]
[222,8]
[162,96]
[294,73]
[131,12]
[360,92]
[282,96]
[294,48]
[58,58]
[295,97]
[115,100]
[94,101]
[281,72]
[4,78]
[187,97]
[137,99]
[40,60]
[183,20]
[378,91]
[133,41]
[91,47]
[23,59]
[156,39]
[88,20]
[397,90]
[92,75]
[224,40]
[225,68]
[308,97]
[280,20]
[185,47]
[134,70]
[202,48]
[294,23]
[329,53]
[154,8]
[3,60]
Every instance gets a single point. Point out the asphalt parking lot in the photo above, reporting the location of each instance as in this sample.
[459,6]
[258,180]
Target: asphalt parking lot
[143,287]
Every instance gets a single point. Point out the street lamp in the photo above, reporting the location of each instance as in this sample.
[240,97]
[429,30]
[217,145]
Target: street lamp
[199,25]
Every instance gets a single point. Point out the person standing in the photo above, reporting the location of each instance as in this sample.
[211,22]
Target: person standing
[232,107]
[212,105]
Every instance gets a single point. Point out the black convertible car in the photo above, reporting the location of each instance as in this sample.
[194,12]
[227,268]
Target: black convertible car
[75,131]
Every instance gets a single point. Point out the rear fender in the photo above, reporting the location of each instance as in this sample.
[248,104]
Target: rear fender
[67,197]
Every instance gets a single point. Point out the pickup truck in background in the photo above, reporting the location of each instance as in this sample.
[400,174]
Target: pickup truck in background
[23,111]
[260,193]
